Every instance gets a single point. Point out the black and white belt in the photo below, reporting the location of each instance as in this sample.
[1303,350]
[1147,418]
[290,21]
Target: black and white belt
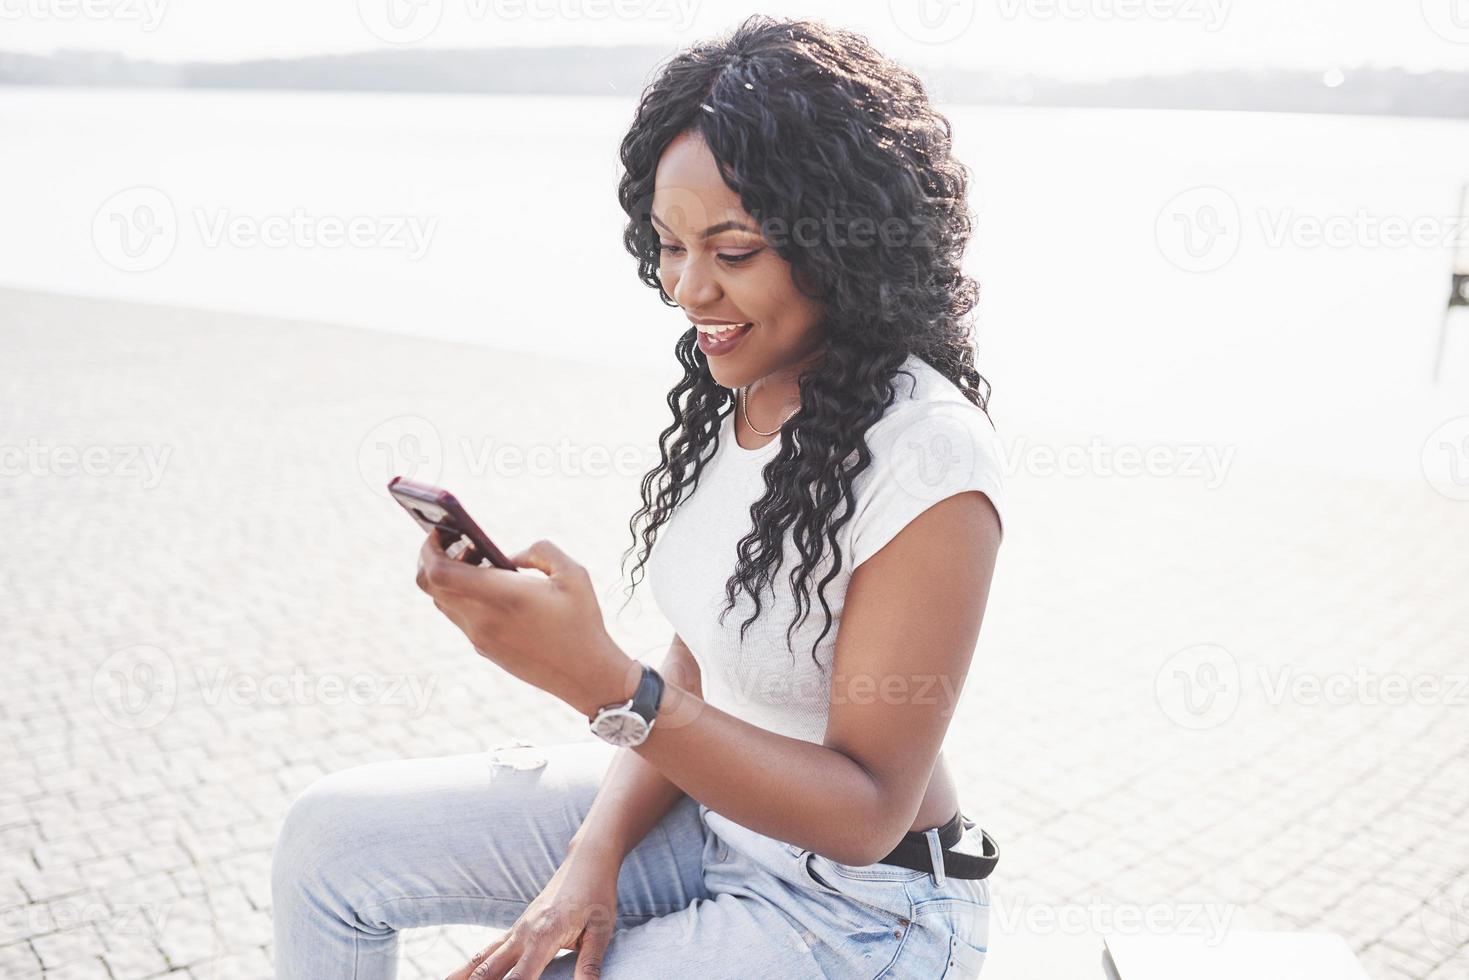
[928,850]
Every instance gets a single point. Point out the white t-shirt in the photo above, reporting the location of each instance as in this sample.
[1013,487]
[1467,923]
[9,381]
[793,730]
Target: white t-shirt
[931,443]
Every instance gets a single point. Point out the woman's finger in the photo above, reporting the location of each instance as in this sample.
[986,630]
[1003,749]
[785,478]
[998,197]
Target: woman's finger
[428,553]
[442,573]
[497,964]
[531,964]
[545,556]
[464,971]
[464,624]
[589,954]
[457,549]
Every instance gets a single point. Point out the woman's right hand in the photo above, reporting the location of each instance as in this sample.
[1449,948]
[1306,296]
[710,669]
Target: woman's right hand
[576,910]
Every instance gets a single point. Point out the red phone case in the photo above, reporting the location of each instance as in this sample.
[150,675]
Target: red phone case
[435,508]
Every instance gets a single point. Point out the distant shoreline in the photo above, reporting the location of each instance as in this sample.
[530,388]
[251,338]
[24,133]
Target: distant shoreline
[939,101]
[623,71]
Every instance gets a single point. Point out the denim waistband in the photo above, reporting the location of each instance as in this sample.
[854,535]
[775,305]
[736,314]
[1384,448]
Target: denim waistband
[930,850]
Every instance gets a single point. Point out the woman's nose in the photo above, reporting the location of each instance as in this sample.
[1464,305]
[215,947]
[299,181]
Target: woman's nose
[695,289]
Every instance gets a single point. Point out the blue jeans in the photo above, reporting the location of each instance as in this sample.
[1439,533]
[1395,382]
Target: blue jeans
[402,844]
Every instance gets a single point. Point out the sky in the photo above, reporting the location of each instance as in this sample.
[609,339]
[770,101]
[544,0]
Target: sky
[1069,38]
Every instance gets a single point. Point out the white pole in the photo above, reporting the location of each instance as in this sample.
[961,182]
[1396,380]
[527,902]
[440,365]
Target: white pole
[1460,265]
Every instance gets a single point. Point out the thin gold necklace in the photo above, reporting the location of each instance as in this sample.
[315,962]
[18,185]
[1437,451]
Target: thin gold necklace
[745,408]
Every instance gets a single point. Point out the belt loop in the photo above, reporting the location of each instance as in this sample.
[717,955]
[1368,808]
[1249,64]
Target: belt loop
[936,855]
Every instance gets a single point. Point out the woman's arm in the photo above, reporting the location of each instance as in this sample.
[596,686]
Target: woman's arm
[904,644]
[903,647]
[634,795]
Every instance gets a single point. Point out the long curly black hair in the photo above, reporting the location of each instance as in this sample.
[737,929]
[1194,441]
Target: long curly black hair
[809,121]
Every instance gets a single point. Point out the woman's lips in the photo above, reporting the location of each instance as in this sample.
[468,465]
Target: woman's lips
[715,345]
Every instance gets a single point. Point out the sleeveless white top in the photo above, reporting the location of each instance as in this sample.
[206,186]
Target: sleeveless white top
[930,444]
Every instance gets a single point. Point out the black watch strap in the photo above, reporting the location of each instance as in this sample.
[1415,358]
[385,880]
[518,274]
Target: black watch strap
[649,695]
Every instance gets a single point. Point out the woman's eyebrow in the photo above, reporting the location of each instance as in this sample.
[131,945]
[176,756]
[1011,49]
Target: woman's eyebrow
[712,230]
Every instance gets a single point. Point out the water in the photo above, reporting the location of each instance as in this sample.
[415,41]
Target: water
[493,219]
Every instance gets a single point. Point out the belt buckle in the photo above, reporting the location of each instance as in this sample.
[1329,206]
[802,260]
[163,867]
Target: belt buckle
[936,855]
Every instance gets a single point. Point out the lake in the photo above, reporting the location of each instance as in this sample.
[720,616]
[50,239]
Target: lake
[1271,281]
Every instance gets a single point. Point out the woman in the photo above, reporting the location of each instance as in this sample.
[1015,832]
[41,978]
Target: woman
[787,813]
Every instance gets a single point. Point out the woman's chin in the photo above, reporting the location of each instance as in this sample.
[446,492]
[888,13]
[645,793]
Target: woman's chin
[725,375]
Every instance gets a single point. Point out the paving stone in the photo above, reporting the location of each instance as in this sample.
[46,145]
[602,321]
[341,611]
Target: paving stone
[90,968]
[135,959]
[1341,817]
[57,949]
[18,959]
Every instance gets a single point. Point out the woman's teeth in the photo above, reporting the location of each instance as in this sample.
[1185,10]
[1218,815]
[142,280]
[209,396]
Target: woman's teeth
[722,333]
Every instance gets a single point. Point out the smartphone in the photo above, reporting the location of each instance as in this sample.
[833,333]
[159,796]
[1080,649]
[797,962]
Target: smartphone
[436,509]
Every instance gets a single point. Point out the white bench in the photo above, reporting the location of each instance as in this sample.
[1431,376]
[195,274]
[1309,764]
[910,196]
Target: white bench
[1255,955]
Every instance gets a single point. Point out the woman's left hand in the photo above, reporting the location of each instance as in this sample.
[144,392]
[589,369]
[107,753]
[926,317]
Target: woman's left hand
[547,631]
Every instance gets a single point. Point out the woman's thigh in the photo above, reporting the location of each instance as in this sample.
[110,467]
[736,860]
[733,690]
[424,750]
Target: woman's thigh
[420,842]
[776,909]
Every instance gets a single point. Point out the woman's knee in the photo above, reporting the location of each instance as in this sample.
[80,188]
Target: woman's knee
[323,822]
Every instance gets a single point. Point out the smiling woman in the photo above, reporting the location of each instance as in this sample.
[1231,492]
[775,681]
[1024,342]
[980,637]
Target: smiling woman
[728,281]
[792,191]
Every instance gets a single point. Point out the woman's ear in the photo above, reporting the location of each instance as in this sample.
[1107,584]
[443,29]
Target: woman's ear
[803,281]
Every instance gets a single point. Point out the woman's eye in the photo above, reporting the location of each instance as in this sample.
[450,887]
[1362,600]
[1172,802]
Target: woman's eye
[728,258]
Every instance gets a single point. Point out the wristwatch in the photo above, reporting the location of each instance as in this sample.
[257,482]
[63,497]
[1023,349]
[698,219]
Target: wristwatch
[628,723]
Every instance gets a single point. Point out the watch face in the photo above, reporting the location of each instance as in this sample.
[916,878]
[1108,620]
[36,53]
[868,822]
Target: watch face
[621,727]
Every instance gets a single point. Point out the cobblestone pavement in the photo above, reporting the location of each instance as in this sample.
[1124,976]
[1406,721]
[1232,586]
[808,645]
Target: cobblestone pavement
[1187,705]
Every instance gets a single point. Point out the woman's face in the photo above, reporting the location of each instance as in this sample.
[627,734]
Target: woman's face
[732,275]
